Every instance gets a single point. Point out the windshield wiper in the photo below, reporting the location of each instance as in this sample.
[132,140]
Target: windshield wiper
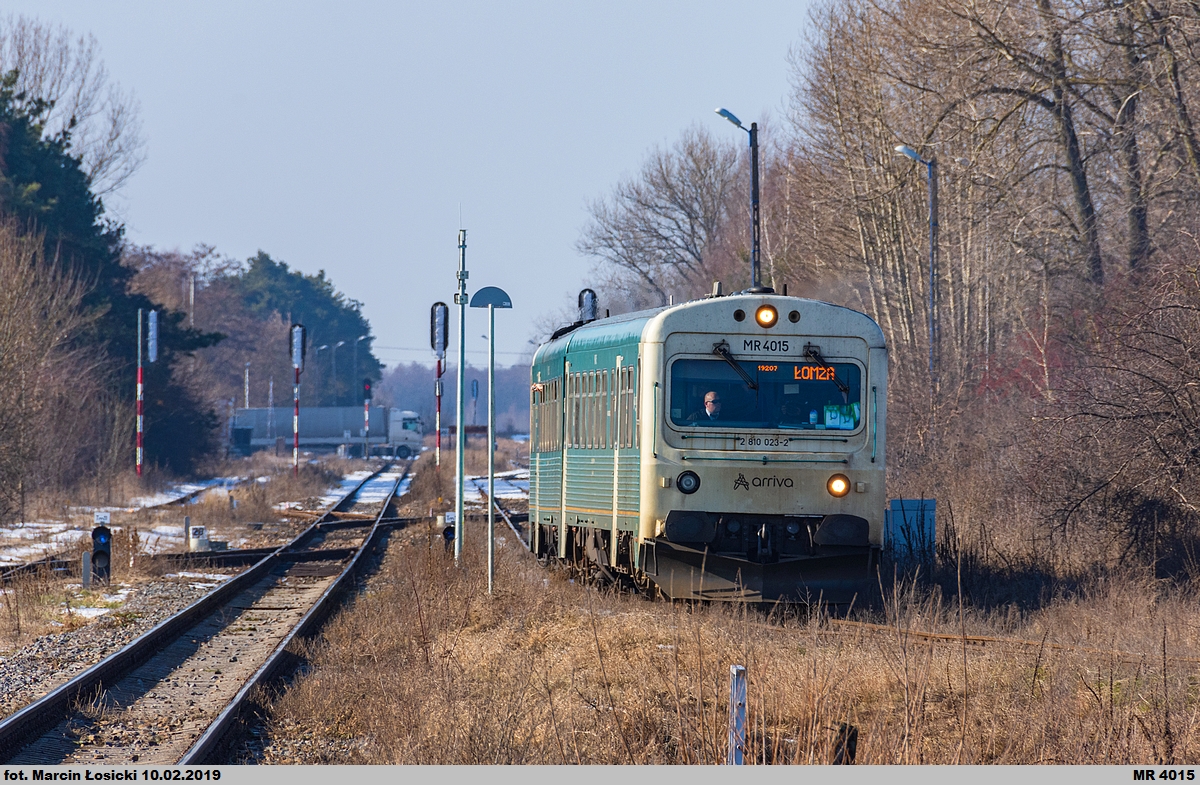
[722,350]
[813,354]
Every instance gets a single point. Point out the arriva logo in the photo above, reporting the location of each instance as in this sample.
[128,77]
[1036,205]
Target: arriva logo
[762,482]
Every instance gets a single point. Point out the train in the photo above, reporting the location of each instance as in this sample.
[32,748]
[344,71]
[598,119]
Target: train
[729,448]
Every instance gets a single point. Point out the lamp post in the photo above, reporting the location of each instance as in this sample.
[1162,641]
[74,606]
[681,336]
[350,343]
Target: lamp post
[246,386]
[934,332]
[333,353]
[491,297]
[755,218]
[354,373]
[460,442]
[320,349]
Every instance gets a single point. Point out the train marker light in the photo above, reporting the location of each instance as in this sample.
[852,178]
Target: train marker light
[766,316]
[838,485]
[688,482]
[366,389]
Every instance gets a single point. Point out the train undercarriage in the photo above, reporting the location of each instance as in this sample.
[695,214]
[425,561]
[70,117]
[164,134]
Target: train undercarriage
[772,563]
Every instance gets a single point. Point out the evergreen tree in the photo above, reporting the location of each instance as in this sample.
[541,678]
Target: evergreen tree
[44,187]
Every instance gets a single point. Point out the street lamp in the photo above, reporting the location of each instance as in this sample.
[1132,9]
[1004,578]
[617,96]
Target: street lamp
[246,385]
[755,219]
[491,297]
[319,350]
[354,374]
[931,169]
[336,401]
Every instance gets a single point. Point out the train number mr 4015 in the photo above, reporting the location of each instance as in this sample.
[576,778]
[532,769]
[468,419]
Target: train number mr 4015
[760,345]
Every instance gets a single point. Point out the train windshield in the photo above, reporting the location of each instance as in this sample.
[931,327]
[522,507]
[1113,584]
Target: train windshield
[786,395]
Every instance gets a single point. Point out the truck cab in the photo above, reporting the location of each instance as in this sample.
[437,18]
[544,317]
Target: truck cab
[406,432]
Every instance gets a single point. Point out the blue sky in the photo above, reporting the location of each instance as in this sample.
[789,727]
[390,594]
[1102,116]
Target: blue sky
[347,136]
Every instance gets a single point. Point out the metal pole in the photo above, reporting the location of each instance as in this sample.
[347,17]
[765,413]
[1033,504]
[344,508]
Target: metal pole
[366,429]
[934,332]
[271,409]
[460,442]
[755,226]
[333,358]
[192,302]
[140,397]
[246,386]
[491,486]
[737,715]
[296,426]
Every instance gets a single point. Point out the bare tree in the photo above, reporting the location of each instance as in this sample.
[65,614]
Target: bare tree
[658,231]
[62,75]
[46,381]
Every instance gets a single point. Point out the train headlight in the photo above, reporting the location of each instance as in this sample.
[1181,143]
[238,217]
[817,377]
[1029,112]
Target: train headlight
[766,316]
[688,482]
[838,485]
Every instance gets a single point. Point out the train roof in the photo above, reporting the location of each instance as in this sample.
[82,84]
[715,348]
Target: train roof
[817,318]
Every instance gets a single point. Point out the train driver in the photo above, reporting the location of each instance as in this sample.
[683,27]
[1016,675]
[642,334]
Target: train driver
[710,412]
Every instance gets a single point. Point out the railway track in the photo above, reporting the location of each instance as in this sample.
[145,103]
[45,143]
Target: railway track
[984,641]
[513,519]
[172,695]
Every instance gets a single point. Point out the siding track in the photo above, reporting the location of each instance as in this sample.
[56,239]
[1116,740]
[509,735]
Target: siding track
[171,695]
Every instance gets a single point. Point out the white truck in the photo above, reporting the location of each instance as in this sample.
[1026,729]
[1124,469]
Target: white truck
[406,433]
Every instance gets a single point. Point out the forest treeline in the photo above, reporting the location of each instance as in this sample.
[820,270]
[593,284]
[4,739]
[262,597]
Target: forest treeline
[1059,429]
[73,286]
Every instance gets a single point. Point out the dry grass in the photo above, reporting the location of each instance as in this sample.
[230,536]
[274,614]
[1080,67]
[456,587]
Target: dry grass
[41,603]
[426,668]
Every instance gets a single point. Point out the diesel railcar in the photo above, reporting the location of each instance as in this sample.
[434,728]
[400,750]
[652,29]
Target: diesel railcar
[730,448]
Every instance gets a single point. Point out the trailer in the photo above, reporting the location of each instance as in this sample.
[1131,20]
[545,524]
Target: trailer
[395,431]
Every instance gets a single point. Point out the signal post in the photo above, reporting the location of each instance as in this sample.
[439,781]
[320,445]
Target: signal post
[299,347]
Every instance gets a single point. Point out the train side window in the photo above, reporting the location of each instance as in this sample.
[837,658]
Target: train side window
[602,409]
[580,394]
[607,412]
[592,381]
[570,402]
[593,399]
[632,414]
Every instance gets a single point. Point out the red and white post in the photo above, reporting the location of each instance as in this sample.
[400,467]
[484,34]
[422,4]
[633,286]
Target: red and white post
[296,426]
[438,418]
[140,396]
[366,429]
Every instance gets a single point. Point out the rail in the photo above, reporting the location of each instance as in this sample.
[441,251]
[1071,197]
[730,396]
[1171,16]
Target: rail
[27,724]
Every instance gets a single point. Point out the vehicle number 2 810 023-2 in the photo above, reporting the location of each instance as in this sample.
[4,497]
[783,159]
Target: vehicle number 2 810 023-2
[763,441]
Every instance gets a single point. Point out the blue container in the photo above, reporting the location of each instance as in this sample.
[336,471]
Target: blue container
[910,531]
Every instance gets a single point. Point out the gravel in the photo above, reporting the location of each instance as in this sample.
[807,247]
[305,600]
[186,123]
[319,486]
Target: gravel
[52,660]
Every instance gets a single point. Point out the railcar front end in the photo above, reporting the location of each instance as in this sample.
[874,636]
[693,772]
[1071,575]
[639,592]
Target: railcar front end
[724,449]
